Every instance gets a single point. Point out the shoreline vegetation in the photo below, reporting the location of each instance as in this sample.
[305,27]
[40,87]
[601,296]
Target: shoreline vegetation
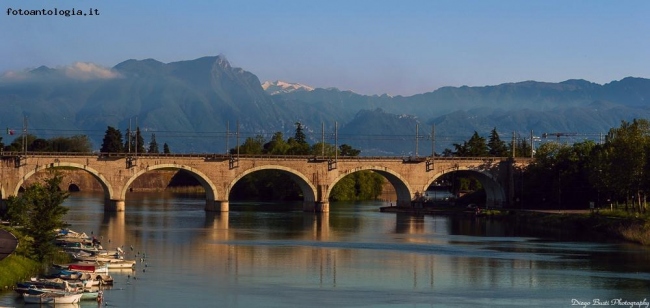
[601,224]
[18,266]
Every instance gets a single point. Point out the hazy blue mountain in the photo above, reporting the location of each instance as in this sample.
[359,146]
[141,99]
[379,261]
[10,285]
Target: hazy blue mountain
[192,104]
[380,133]
[573,107]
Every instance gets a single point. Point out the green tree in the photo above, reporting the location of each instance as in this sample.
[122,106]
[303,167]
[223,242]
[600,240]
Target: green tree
[344,190]
[112,142]
[39,210]
[76,143]
[277,145]
[297,148]
[134,142]
[347,150]
[17,144]
[320,148]
[627,147]
[522,149]
[153,145]
[250,146]
[361,185]
[475,147]
[496,147]
[166,148]
[39,145]
[298,144]
[299,136]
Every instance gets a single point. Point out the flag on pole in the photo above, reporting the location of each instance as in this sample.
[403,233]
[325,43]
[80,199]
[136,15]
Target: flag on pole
[10,131]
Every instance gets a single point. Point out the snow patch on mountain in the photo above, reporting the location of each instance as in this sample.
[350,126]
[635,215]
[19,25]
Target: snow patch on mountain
[280,87]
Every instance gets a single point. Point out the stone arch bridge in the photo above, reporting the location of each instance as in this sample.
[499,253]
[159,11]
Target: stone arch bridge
[316,176]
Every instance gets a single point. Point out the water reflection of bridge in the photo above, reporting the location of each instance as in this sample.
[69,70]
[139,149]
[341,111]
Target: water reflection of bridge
[316,176]
[322,250]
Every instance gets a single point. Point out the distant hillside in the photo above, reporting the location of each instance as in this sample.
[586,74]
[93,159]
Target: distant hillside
[192,104]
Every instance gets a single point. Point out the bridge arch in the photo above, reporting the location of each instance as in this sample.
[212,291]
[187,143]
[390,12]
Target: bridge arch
[402,188]
[210,189]
[494,193]
[307,187]
[106,186]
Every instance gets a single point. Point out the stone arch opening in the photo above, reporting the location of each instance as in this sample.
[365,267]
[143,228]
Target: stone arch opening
[494,194]
[402,188]
[73,188]
[106,187]
[210,190]
[307,188]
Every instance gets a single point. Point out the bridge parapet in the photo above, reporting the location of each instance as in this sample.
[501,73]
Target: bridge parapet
[218,173]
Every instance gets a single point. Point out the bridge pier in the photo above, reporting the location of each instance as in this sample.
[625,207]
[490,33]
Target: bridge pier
[114,206]
[316,207]
[322,207]
[217,206]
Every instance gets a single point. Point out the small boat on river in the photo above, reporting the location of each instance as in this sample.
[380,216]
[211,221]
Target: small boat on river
[82,267]
[53,285]
[90,294]
[120,264]
[52,298]
[111,261]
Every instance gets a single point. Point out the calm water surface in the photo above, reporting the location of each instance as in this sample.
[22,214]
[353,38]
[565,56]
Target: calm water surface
[355,256]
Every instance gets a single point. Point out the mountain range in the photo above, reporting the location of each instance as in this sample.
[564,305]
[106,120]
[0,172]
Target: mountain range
[206,105]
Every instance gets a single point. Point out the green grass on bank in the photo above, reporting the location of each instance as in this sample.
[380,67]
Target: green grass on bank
[15,268]
[635,227]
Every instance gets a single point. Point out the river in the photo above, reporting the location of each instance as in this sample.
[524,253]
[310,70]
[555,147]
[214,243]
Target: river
[270,255]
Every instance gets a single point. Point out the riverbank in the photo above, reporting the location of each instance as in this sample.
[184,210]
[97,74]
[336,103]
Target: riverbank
[598,225]
[15,267]
[428,210]
[608,225]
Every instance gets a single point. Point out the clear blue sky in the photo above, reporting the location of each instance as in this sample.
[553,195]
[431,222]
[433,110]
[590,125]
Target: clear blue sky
[367,46]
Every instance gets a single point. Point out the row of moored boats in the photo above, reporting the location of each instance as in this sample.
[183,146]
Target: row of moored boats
[84,279]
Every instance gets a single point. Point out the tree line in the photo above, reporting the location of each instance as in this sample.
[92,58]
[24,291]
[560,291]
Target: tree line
[566,176]
[478,146]
[614,172]
[112,143]
[76,143]
[276,185]
[132,142]
[296,145]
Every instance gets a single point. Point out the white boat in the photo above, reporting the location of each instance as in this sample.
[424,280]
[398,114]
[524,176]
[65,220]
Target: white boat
[120,264]
[52,298]
[90,295]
